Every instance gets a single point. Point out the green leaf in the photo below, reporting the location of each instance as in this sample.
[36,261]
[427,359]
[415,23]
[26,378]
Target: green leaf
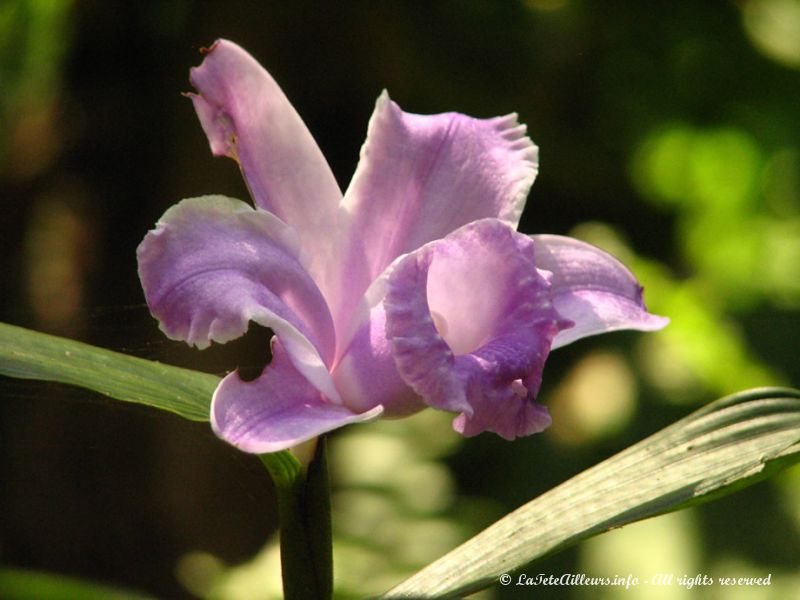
[22,584]
[32,355]
[729,444]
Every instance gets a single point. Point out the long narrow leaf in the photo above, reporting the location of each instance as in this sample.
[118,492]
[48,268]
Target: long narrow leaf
[730,443]
[31,355]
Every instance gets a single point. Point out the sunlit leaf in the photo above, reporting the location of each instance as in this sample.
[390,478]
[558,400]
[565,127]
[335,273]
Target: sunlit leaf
[31,355]
[21,584]
[729,444]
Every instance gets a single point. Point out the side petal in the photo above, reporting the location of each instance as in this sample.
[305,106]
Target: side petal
[213,264]
[592,288]
[278,410]
[421,177]
[246,116]
[469,324]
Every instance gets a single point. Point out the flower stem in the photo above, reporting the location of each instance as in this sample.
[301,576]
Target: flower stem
[304,512]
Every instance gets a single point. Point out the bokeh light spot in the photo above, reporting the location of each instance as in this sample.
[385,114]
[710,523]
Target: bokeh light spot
[773,27]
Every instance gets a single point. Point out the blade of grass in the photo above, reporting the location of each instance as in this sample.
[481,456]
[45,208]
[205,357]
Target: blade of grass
[729,444]
[32,355]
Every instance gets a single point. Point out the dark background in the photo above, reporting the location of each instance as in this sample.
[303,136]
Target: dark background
[672,124]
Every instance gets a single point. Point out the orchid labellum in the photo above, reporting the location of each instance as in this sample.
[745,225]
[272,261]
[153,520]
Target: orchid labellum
[413,289]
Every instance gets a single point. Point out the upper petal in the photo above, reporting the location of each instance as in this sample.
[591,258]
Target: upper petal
[278,410]
[470,323]
[592,288]
[422,177]
[247,117]
[213,264]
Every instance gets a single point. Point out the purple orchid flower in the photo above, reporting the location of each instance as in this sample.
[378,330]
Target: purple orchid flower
[412,289]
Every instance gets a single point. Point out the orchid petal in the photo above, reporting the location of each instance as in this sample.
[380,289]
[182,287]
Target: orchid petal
[278,410]
[213,264]
[592,288]
[470,323]
[366,375]
[421,177]
[246,116]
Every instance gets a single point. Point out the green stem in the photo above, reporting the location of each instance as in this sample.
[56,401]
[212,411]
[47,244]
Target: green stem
[304,512]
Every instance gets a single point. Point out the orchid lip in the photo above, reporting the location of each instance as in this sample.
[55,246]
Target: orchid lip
[506,327]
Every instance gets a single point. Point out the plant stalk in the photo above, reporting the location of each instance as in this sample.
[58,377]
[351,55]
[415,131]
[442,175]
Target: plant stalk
[304,513]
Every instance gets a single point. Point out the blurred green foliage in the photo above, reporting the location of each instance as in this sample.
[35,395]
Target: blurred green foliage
[34,37]
[669,134]
[23,585]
